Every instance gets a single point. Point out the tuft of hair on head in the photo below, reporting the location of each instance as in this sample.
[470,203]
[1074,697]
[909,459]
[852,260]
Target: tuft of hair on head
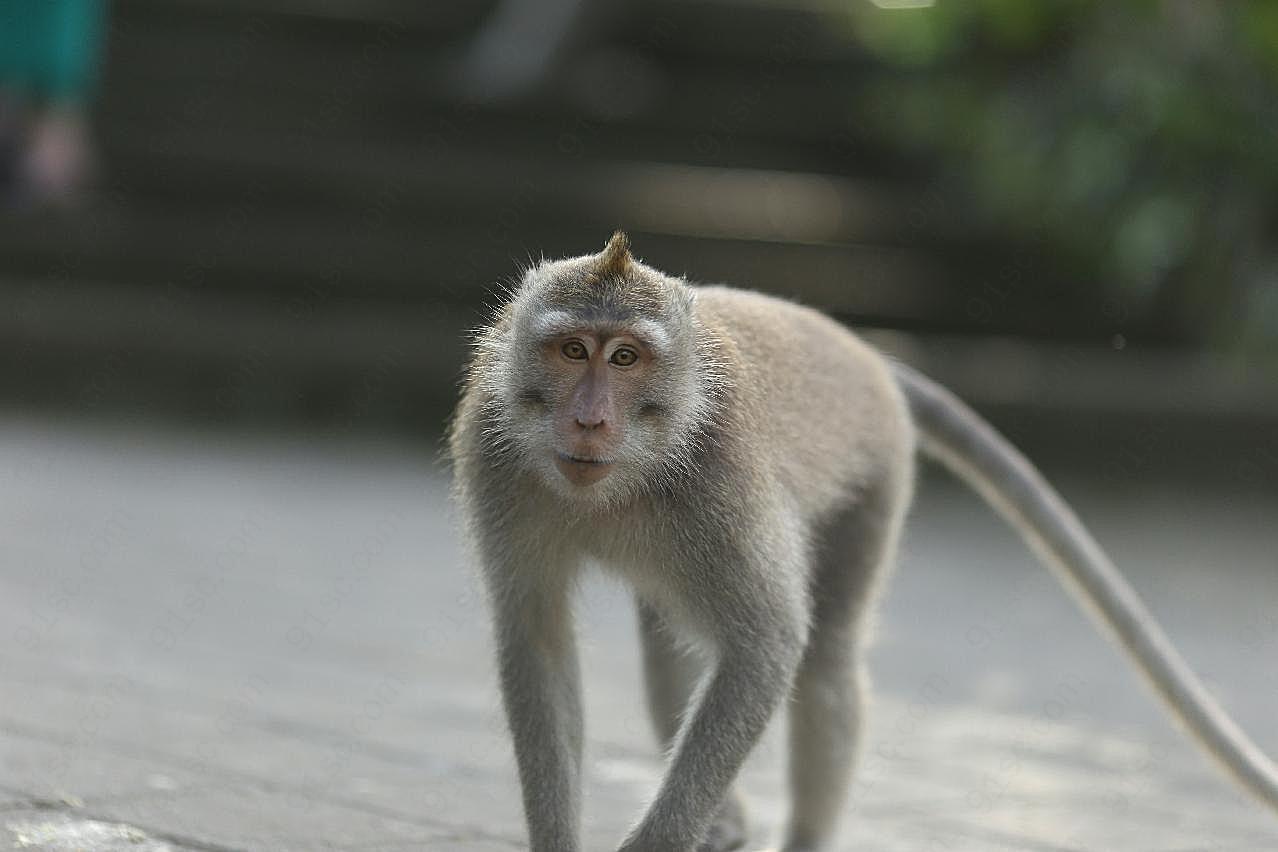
[615,258]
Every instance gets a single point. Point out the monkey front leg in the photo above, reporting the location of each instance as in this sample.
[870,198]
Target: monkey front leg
[541,690]
[753,674]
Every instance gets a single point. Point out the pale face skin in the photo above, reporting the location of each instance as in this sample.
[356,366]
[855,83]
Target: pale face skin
[600,373]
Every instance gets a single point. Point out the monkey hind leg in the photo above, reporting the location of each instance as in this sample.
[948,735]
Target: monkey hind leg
[671,675]
[856,548]
[825,730]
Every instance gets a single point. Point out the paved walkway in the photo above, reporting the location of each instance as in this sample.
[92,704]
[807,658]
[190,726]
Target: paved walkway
[215,643]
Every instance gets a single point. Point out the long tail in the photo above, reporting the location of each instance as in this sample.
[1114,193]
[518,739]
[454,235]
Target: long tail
[971,448]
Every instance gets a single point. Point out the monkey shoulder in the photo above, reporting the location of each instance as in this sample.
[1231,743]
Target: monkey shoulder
[813,397]
[782,331]
[788,352]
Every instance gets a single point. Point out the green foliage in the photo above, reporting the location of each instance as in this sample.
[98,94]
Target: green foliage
[1141,138]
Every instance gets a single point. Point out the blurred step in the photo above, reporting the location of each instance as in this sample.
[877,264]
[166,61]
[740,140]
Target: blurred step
[287,72]
[324,257]
[78,329]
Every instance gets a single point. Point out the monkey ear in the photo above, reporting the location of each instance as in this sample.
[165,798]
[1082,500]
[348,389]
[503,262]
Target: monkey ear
[615,259]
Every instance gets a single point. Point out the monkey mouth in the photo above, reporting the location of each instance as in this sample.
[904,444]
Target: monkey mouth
[569,457]
[582,471]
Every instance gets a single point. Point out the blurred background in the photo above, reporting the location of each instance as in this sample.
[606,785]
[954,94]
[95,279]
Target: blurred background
[289,212]
[242,243]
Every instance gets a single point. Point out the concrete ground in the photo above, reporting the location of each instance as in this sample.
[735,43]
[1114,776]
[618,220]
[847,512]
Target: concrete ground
[226,643]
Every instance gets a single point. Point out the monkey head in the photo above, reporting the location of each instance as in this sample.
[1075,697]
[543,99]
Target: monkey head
[598,377]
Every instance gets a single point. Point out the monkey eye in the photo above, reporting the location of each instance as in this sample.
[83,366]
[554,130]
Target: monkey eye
[624,356]
[575,350]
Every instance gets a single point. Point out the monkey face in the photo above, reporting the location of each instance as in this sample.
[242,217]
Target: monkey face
[590,399]
[599,387]
[595,376]
[598,375]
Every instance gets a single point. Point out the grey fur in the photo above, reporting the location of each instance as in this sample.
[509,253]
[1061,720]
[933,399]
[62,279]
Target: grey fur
[757,500]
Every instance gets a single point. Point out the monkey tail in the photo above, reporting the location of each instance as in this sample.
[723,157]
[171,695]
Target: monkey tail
[972,449]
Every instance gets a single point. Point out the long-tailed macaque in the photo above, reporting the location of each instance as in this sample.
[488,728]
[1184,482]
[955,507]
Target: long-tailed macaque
[745,463]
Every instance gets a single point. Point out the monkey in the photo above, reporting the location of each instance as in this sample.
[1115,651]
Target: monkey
[745,464]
